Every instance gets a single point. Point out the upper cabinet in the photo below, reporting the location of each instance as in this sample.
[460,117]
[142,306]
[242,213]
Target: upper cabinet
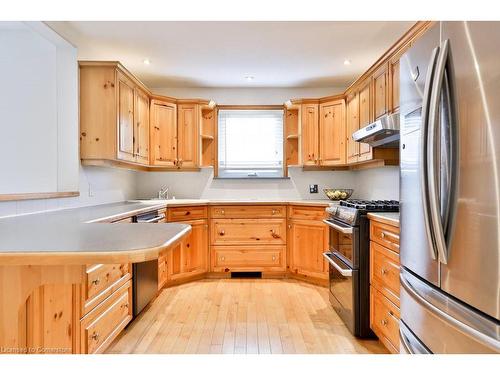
[310,134]
[380,91]
[163,128]
[332,128]
[188,135]
[114,115]
[123,124]
[352,124]
[365,116]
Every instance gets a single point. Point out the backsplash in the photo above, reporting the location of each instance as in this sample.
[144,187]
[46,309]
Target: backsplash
[106,185]
[379,183]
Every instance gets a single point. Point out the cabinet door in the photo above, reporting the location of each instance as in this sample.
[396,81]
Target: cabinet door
[125,119]
[394,85]
[163,133]
[332,148]
[352,126]
[308,240]
[141,126]
[365,152]
[190,257]
[188,136]
[380,92]
[309,134]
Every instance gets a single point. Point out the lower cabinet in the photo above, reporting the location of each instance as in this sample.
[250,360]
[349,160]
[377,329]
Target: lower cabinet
[249,258]
[307,241]
[384,283]
[189,258]
[99,327]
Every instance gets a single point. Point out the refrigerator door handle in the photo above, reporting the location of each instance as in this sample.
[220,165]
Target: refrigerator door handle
[476,327]
[442,226]
[409,343]
[424,175]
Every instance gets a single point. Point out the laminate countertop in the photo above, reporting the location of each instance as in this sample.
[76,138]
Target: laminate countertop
[73,236]
[391,218]
[86,234]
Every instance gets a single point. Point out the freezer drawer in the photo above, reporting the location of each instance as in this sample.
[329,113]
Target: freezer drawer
[443,324]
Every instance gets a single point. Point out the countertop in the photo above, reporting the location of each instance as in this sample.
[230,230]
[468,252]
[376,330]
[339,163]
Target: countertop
[391,218]
[85,234]
[73,236]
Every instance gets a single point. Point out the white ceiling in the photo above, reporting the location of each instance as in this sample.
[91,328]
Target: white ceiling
[221,54]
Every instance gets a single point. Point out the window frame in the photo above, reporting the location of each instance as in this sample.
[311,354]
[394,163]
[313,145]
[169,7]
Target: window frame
[245,108]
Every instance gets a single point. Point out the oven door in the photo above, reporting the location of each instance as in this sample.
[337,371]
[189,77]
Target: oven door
[343,242]
[343,285]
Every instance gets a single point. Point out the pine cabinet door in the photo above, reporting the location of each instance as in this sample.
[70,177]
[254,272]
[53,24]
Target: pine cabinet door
[163,134]
[332,133]
[352,125]
[380,91]
[365,151]
[126,138]
[142,127]
[310,134]
[308,241]
[188,136]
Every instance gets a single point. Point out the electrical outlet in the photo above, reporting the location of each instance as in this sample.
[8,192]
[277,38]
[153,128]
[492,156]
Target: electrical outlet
[313,189]
[91,192]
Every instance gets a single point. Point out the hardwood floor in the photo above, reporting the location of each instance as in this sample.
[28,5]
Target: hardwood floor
[241,316]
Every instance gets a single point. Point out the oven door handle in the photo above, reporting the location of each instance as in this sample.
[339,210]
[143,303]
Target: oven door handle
[347,272]
[341,229]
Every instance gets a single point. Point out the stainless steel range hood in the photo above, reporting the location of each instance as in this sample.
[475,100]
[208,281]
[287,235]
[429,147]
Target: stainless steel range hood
[382,133]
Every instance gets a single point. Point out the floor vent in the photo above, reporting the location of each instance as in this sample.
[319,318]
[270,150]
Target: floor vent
[246,275]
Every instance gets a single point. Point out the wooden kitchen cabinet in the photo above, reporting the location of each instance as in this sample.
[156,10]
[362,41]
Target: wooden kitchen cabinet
[188,135]
[352,125]
[307,241]
[114,115]
[394,85]
[332,129]
[365,117]
[310,134]
[384,283]
[190,257]
[163,128]
[380,92]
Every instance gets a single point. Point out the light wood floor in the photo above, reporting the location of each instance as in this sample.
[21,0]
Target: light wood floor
[241,316]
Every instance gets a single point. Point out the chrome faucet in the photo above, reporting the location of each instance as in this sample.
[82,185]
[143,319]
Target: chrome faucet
[163,193]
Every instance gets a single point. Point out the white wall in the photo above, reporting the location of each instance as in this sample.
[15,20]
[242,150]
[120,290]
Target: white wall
[379,183]
[249,96]
[39,110]
[107,185]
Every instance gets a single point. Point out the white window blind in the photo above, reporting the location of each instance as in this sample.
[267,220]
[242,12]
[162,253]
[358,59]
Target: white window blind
[250,143]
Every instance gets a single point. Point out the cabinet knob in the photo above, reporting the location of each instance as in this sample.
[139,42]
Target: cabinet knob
[383,271]
[222,258]
[382,235]
[274,234]
[274,257]
[222,212]
[95,336]
[384,322]
[221,233]
[125,305]
[96,281]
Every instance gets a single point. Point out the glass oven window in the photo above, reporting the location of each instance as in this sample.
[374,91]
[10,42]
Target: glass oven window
[341,243]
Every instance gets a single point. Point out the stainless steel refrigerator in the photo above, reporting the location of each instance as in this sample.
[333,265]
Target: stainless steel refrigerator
[450,190]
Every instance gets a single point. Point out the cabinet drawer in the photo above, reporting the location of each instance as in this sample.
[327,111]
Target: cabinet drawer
[186,213]
[242,258]
[384,271]
[307,212]
[385,235]
[242,212]
[101,280]
[105,322]
[384,318]
[248,231]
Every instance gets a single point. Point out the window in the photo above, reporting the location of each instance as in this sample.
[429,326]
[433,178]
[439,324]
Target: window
[250,143]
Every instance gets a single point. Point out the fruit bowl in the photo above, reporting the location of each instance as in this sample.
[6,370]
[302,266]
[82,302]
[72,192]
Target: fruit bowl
[338,194]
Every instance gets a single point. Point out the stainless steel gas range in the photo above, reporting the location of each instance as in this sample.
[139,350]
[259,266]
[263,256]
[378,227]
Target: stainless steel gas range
[349,259]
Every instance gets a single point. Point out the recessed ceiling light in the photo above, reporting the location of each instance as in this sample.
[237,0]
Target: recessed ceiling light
[249,78]
[347,62]
[146,61]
